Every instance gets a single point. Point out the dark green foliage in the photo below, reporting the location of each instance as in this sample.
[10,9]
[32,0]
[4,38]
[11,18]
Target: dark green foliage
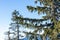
[50,9]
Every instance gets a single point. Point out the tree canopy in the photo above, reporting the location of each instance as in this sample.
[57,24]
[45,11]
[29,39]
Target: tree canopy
[51,9]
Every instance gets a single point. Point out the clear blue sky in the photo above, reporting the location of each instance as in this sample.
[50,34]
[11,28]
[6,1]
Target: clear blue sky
[6,9]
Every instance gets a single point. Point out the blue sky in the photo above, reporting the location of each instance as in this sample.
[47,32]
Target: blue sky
[6,9]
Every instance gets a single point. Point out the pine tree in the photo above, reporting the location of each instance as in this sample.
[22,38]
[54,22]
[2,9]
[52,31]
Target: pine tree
[52,10]
[31,23]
